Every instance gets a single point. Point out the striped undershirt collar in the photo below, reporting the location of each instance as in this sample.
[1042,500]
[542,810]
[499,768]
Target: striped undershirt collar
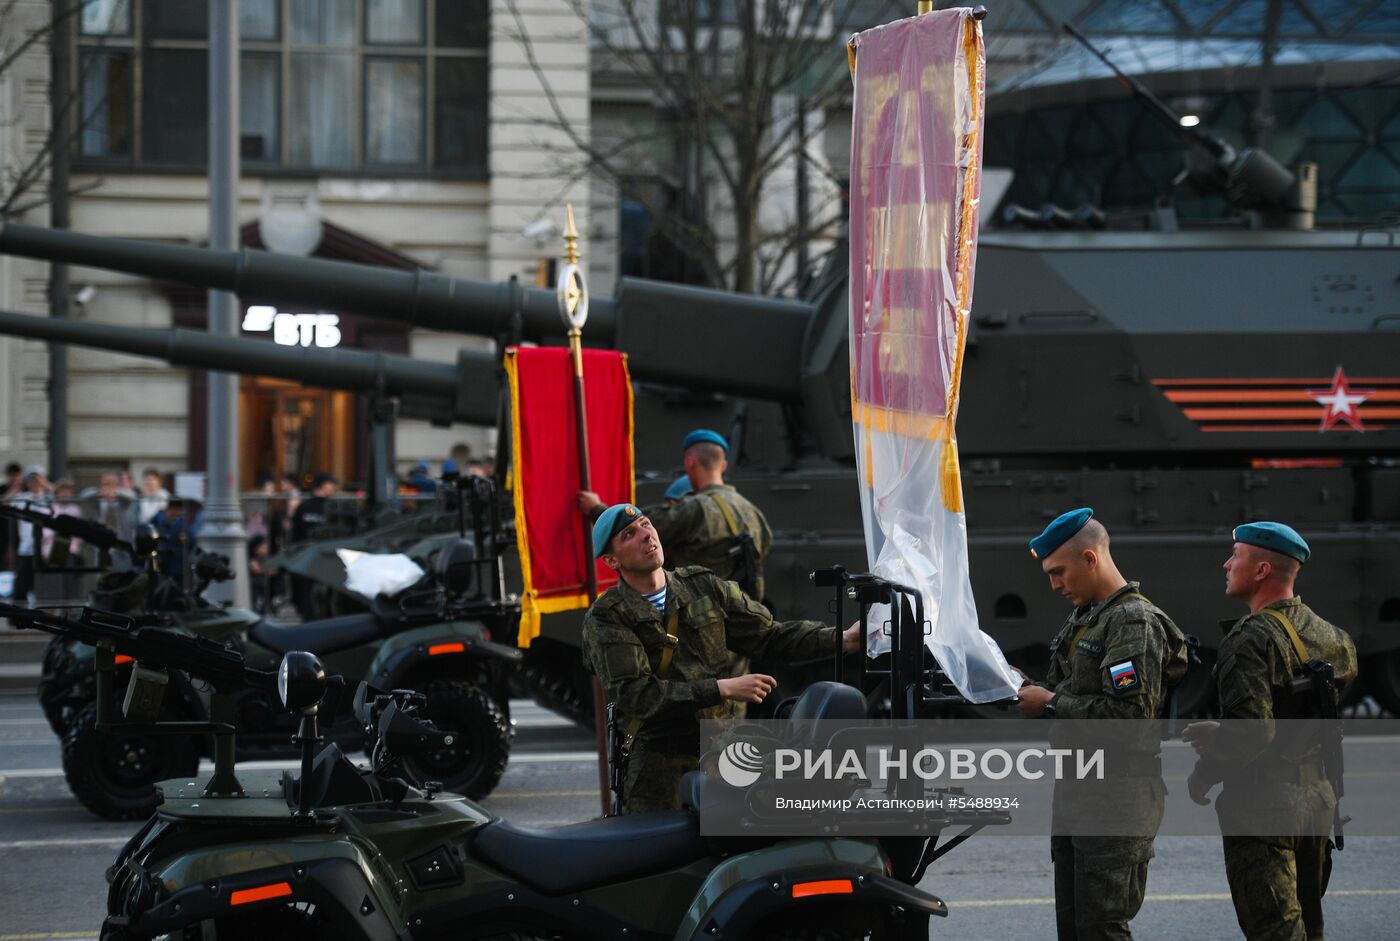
[657,599]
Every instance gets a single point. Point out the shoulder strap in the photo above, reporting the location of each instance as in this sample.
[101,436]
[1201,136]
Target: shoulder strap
[1293,637]
[1074,642]
[728,513]
[668,653]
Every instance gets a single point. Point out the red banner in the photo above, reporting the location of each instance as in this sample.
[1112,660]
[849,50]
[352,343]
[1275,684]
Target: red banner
[545,473]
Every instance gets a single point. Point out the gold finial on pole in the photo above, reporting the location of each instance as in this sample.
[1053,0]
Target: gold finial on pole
[570,236]
[572,287]
[925,6]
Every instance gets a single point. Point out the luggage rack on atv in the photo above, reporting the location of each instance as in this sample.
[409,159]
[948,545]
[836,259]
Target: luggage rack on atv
[916,680]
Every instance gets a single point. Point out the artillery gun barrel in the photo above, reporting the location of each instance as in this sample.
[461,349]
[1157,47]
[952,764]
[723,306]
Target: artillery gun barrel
[678,335]
[418,298]
[440,392]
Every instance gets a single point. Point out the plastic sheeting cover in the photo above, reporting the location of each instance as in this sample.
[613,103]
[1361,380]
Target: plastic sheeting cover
[916,159]
[373,575]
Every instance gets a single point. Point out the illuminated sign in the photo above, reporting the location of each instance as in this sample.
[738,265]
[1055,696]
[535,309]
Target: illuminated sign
[294,329]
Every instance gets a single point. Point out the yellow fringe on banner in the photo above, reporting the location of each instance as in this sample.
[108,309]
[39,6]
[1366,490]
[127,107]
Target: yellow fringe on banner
[972,51]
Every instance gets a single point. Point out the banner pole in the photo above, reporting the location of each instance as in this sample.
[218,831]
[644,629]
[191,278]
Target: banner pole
[573,307]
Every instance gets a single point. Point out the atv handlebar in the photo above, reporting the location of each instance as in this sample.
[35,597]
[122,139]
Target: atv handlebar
[72,527]
[153,646]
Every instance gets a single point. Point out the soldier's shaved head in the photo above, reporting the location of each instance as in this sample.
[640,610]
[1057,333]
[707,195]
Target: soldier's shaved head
[708,455]
[1092,535]
[1282,568]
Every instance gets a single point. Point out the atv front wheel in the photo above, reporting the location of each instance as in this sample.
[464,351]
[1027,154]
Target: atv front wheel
[62,693]
[473,764]
[114,774]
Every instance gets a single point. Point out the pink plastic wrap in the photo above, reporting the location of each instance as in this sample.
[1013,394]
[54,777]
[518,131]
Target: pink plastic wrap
[916,164]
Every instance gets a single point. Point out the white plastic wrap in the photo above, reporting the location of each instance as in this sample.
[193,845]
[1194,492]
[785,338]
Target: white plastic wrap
[916,158]
[374,575]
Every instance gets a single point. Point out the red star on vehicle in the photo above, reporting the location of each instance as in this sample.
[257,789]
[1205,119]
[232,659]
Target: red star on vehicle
[1340,402]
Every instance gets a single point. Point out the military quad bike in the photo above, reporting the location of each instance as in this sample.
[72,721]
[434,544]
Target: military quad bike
[435,636]
[345,852]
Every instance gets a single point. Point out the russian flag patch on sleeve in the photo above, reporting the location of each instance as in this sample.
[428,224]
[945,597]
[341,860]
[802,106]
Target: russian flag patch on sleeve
[1123,676]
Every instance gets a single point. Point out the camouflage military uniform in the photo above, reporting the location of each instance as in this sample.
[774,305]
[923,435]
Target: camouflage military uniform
[1113,660]
[623,636]
[695,531]
[1276,881]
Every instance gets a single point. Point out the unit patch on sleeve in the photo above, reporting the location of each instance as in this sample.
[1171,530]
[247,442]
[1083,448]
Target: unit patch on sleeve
[1124,676]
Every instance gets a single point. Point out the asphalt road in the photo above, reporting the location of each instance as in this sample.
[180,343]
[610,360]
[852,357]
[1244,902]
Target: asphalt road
[53,852]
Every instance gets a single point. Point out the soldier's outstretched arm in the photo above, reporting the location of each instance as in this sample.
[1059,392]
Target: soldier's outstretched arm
[1130,685]
[621,663]
[750,629]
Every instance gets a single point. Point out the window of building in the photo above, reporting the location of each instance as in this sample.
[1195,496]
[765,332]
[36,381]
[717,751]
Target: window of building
[394,86]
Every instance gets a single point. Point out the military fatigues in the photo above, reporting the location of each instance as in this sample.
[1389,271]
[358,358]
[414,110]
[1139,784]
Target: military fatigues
[623,636]
[694,531]
[1113,660]
[1276,882]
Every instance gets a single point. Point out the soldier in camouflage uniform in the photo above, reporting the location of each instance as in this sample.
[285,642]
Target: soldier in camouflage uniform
[1115,658]
[625,636]
[1276,882]
[700,528]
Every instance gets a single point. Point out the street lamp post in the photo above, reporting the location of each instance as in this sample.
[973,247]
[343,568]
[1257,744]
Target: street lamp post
[222,530]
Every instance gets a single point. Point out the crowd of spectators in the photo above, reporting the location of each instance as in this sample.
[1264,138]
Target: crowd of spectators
[283,510]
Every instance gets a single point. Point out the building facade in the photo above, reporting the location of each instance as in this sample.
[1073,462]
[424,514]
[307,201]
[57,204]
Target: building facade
[408,131]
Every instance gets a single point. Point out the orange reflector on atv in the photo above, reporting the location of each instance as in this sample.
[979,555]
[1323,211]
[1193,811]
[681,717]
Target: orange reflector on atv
[261,893]
[802,890]
[122,658]
[437,649]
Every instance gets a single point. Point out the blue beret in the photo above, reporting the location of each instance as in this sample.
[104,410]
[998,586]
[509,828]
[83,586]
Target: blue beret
[705,434]
[449,467]
[1059,531]
[1275,537]
[613,521]
[680,487]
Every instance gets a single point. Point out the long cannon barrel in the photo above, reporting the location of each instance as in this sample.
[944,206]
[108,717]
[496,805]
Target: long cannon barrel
[418,298]
[440,392]
[677,335]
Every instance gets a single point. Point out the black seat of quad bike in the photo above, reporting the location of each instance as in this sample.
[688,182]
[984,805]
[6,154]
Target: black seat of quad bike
[559,860]
[829,700]
[692,790]
[318,637]
[823,702]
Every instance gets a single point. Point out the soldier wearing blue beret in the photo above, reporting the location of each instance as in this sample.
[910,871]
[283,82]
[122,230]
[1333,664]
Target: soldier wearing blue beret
[1115,658]
[1276,882]
[661,642]
[680,489]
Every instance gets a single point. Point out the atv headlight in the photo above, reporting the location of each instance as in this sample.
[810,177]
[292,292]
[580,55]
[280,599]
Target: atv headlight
[301,681]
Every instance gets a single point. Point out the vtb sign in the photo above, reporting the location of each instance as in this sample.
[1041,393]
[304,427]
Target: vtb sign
[320,329]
